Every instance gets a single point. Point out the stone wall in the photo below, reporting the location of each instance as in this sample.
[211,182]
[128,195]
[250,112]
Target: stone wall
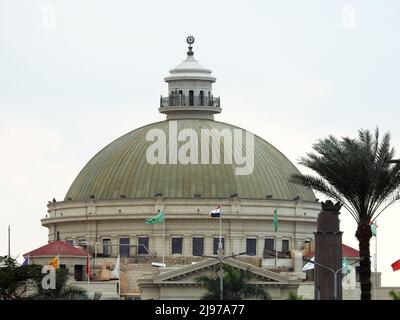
[94,221]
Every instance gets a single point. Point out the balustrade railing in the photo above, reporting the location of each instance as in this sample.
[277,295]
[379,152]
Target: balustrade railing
[182,100]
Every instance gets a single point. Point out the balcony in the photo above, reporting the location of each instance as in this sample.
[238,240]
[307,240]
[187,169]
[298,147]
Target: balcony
[271,254]
[185,101]
[273,259]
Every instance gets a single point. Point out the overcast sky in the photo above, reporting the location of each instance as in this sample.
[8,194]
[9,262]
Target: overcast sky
[76,75]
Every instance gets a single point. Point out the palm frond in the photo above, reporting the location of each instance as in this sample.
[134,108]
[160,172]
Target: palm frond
[395,295]
[355,172]
[238,285]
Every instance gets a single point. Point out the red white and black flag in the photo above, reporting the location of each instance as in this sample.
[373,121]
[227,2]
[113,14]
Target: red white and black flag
[216,212]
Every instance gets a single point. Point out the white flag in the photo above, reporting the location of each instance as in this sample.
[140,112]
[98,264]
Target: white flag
[309,265]
[115,272]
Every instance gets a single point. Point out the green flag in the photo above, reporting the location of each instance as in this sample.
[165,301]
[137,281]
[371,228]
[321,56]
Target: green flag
[275,221]
[346,266]
[156,219]
[374,229]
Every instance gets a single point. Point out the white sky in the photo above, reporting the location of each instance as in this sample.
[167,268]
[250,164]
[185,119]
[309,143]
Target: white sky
[75,75]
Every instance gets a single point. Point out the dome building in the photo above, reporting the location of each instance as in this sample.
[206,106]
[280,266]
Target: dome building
[185,167]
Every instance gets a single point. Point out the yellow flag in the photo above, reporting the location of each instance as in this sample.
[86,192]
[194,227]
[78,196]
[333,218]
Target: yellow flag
[54,262]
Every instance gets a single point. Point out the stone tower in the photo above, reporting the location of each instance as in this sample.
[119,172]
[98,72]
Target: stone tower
[328,253]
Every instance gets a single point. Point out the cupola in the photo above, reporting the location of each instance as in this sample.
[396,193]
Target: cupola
[190,90]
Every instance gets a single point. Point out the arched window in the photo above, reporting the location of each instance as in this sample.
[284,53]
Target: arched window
[180,97]
[201,97]
[209,99]
[191,97]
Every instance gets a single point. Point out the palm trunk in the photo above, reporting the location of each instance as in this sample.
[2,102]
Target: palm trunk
[364,235]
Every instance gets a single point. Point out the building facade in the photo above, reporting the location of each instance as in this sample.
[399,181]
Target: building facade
[184,167]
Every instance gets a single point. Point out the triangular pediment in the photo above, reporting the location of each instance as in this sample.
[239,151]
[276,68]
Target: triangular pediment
[188,274]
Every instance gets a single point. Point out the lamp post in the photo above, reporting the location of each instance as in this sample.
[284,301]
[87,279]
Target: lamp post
[220,257]
[334,272]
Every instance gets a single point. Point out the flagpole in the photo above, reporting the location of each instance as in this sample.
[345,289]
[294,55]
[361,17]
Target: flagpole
[220,255]
[163,257]
[220,226]
[88,273]
[9,242]
[58,255]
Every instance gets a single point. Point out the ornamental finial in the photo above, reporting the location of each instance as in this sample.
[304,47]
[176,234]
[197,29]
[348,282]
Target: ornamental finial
[190,41]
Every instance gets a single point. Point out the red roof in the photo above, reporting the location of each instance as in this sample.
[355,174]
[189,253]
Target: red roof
[57,248]
[347,251]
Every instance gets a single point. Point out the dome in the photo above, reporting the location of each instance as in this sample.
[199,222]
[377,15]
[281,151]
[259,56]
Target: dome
[121,170]
[190,68]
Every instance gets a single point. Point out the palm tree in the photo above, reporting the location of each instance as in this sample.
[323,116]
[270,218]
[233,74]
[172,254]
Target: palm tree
[294,296]
[16,280]
[395,295]
[357,173]
[237,286]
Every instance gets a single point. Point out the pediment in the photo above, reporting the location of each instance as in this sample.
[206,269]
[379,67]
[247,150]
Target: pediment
[188,274]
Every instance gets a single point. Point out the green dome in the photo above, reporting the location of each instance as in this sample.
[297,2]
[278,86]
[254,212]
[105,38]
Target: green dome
[121,168]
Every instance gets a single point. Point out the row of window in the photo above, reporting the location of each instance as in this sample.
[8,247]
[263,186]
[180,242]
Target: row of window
[197,246]
[178,97]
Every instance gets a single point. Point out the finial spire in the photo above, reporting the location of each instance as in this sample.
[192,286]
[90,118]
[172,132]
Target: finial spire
[190,41]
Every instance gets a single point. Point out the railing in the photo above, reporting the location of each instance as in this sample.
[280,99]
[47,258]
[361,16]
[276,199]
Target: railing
[182,100]
[270,253]
[277,263]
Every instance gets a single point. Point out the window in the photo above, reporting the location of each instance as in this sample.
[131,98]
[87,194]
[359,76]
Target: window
[106,247]
[63,267]
[198,246]
[124,247]
[70,242]
[285,245]
[269,244]
[78,272]
[177,245]
[180,98]
[216,242]
[58,235]
[191,97]
[143,245]
[251,247]
[201,97]
[357,273]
